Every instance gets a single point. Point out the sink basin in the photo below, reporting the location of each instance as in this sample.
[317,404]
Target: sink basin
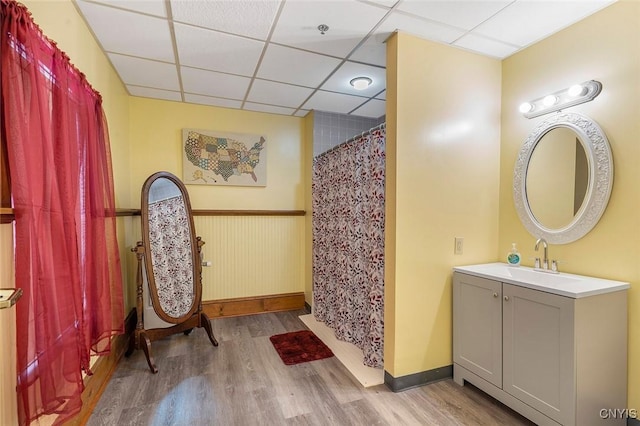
[9,296]
[563,284]
[530,275]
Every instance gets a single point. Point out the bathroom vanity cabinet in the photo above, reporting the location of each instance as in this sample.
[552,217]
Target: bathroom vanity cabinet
[556,353]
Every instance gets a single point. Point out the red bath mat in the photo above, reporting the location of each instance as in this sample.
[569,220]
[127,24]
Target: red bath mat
[300,346]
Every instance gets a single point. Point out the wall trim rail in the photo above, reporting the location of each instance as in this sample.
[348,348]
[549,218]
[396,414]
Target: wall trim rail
[199,212]
[7,215]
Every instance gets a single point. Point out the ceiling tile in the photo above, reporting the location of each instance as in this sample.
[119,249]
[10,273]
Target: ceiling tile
[349,22]
[387,3]
[374,108]
[339,81]
[334,102]
[221,43]
[136,35]
[460,14]
[252,18]
[151,7]
[373,50]
[144,72]
[213,83]
[217,51]
[295,66]
[268,108]
[270,92]
[209,100]
[146,92]
[486,46]
[525,22]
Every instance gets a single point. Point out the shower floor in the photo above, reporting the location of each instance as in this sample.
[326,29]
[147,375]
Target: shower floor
[348,354]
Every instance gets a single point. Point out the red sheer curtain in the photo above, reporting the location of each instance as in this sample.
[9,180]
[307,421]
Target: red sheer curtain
[66,253]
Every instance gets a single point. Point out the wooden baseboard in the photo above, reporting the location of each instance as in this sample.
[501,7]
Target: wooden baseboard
[253,305]
[102,370]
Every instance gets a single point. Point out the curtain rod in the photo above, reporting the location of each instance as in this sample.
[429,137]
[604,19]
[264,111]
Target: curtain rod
[363,134]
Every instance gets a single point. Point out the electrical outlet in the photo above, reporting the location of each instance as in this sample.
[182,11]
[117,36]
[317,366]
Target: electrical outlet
[459,243]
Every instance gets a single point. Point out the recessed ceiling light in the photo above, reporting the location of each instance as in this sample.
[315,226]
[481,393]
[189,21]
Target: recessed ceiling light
[361,83]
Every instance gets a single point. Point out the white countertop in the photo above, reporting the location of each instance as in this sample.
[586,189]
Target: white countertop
[568,285]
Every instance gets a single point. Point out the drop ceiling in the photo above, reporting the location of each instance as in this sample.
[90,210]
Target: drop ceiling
[270,56]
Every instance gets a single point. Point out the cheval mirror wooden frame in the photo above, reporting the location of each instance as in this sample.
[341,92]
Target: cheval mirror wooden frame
[170,253]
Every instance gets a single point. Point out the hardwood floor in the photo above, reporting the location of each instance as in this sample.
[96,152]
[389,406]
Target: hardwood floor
[244,382]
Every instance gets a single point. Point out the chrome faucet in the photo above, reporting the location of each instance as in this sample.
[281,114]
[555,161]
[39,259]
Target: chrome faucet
[545,259]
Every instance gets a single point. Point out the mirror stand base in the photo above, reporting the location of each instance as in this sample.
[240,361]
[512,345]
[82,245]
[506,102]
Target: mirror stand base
[206,323]
[142,338]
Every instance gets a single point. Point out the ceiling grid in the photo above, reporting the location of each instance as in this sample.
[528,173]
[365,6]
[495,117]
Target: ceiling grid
[270,56]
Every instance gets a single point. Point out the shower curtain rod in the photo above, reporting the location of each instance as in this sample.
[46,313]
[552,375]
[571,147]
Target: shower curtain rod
[363,134]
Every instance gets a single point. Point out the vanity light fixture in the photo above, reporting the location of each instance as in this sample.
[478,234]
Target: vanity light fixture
[526,107]
[361,83]
[550,100]
[577,90]
[574,95]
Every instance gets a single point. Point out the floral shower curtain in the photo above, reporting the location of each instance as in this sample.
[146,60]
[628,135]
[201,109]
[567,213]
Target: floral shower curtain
[348,242]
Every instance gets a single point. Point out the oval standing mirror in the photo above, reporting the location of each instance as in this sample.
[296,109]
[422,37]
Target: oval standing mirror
[563,178]
[170,254]
[171,248]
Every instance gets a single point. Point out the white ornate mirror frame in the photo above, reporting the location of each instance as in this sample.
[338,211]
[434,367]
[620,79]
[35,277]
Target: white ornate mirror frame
[600,162]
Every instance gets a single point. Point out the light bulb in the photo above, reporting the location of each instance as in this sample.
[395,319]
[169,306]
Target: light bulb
[361,83]
[525,107]
[550,100]
[576,90]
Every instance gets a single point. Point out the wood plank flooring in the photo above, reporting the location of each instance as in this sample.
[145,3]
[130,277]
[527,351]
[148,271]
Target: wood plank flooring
[244,382]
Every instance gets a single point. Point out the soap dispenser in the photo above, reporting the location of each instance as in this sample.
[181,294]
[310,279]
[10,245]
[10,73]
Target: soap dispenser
[513,258]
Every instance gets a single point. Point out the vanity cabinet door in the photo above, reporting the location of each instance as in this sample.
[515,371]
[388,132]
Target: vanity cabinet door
[538,353]
[477,326]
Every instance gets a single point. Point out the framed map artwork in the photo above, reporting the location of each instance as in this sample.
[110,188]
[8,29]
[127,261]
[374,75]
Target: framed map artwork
[218,158]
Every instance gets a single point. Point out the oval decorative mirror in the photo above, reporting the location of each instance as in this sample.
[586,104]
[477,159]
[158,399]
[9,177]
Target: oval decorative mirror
[563,178]
[170,254]
[172,262]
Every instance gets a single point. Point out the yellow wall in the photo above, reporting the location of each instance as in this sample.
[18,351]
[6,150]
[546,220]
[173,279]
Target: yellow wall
[604,47]
[8,408]
[308,172]
[251,256]
[156,133]
[443,149]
